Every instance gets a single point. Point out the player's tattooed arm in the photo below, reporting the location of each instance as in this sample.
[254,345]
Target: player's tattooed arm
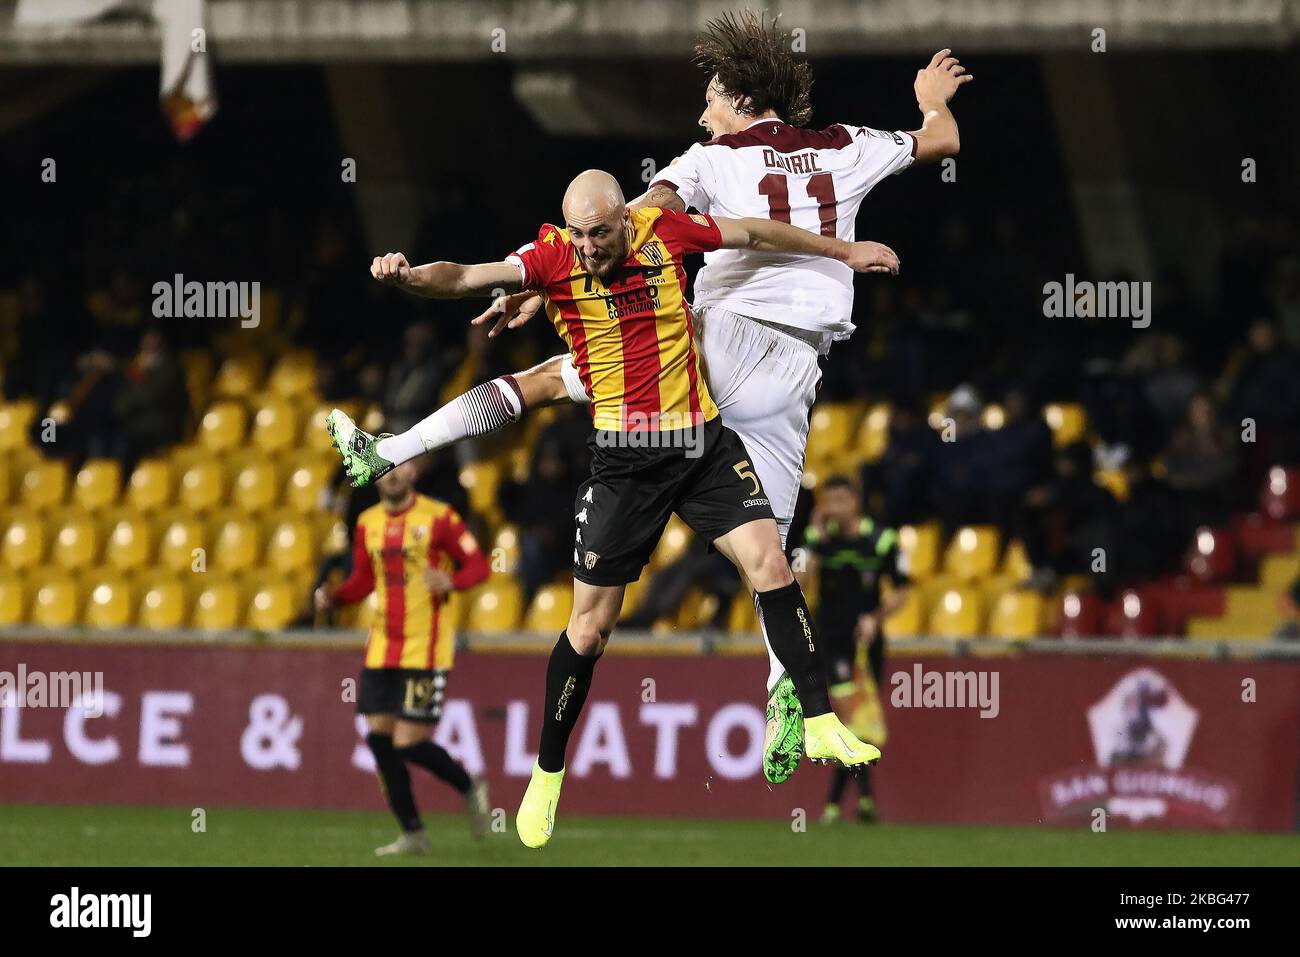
[935,86]
[765,235]
[659,195]
[444,280]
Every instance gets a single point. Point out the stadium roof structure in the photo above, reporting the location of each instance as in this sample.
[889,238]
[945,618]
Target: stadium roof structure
[539,30]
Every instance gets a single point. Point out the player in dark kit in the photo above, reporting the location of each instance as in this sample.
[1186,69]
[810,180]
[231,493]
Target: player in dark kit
[615,287]
[851,553]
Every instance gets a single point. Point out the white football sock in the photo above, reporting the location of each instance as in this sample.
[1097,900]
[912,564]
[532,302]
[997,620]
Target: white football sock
[485,408]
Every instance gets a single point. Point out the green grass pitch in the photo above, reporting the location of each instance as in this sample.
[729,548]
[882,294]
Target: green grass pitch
[133,836]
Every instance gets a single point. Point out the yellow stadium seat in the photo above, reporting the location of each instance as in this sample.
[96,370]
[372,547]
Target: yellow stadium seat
[203,486]
[274,606]
[505,550]
[294,375]
[98,484]
[56,600]
[696,610]
[831,429]
[549,611]
[198,376]
[1068,422]
[107,600]
[24,541]
[291,546]
[481,481]
[495,606]
[276,425]
[236,543]
[164,601]
[130,542]
[239,376]
[908,620]
[742,619]
[972,552]
[151,485]
[873,434]
[1114,481]
[182,545]
[959,613]
[15,421]
[332,533]
[918,547]
[218,604]
[223,426]
[45,484]
[256,487]
[1015,563]
[13,599]
[673,544]
[1018,614]
[76,542]
[306,480]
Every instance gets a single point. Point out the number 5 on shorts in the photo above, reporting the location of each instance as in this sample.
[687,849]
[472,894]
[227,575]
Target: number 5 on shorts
[744,471]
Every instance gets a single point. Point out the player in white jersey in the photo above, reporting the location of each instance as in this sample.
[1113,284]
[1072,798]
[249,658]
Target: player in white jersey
[763,319]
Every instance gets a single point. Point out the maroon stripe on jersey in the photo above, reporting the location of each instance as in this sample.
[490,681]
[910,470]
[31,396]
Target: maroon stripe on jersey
[641,365]
[785,138]
[665,182]
[395,586]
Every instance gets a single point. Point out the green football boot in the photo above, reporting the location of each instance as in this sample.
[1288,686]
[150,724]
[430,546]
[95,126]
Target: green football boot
[783,739]
[363,464]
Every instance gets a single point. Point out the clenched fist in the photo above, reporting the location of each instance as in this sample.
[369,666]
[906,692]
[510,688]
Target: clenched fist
[391,269]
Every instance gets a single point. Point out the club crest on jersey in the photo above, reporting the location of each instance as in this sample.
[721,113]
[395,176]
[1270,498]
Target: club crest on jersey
[417,533]
[589,560]
[702,220]
[653,253]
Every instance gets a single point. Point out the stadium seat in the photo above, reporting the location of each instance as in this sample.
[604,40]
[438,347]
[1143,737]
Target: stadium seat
[1079,615]
[236,543]
[1017,614]
[550,608]
[218,604]
[742,619]
[909,620]
[1280,497]
[24,541]
[503,555]
[958,613]
[177,546]
[107,600]
[13,599]
[972,553]
[294,375]
[918,547]
[291,546]
[1212,556]
[495,606]
[276,425]
[274,606]
[45,484]
[306,481]
[130,542]
[481,481]
[1068,422]
[1133,615]
[239,376]
[873,434]
[76,541]
[223,426]
[56,600]
[673,544]
[198,367]
[831,429]
[164,602]
[98,484]
[696,611]
[1114,481]
[1015,561]
[203,486]
[15,422]
[151,484]
[256,487]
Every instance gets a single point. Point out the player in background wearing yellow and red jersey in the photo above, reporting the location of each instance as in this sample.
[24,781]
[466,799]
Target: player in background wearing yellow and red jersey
[412,552]
[616,284]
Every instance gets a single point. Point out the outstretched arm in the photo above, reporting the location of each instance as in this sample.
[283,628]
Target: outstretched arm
[935,86]
[765,235]
[444,280]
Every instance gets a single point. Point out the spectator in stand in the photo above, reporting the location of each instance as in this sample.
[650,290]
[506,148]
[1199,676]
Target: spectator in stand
[542,509]
[1266,390]
[414,380]
[1169,379]
[152,405]
[959,489]
[1200,461]
[903,473]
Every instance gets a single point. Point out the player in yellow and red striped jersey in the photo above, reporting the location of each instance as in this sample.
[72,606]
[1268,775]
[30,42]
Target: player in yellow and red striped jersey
[412,552]
[615,279]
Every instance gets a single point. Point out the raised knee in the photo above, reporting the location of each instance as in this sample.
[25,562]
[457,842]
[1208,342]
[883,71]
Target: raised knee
[587,635]
[772,571]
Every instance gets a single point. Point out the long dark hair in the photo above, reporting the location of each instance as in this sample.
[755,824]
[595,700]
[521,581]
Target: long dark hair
[752,58]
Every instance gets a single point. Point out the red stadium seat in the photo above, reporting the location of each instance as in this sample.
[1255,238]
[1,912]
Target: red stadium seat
[1212,556]
[1079,615]
[1135,614]
[1280,497]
